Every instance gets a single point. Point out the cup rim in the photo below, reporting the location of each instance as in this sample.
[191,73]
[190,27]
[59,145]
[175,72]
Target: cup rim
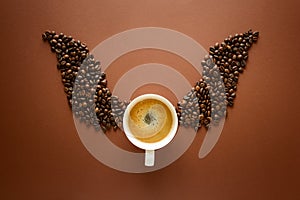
[154,145]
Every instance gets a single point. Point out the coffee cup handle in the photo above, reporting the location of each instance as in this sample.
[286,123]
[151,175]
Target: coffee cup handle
[149,158]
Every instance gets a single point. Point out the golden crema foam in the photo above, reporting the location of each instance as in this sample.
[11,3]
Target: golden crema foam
[150,120]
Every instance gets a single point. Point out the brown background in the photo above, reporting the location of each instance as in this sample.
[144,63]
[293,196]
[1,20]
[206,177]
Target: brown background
[257,156]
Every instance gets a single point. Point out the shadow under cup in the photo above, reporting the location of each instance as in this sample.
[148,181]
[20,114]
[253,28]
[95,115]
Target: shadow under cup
[150,122]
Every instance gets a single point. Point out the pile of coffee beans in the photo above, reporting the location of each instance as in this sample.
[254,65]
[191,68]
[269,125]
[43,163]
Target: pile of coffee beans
[231,56]
[70,54]
[207,101]
[91,102]
[187,111]
[217,89]
[118,109]
[91,98]
[84,90]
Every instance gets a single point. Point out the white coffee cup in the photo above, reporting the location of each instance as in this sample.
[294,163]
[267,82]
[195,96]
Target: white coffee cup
[149,123]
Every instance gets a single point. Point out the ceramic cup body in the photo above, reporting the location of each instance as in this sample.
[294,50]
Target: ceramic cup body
[150,147]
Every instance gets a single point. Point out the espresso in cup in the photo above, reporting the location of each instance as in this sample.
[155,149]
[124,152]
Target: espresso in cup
[150,122]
